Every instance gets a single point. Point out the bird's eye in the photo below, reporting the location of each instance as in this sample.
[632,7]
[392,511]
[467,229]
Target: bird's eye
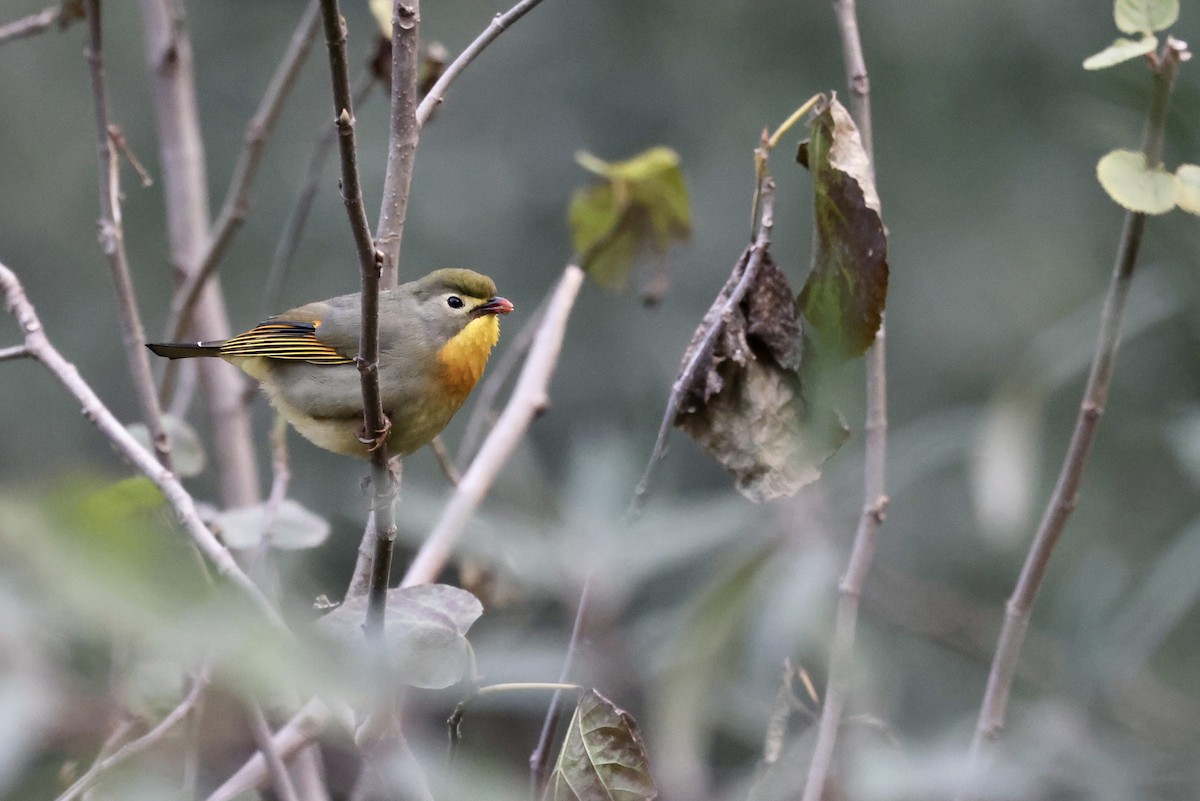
[454,302]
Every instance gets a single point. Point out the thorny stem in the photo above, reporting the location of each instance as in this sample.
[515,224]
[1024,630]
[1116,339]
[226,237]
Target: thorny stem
[112,242]
[875,499]
[1066,491]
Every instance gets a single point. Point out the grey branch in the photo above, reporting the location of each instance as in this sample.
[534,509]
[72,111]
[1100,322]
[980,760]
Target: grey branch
[298,732]
[61,15]
[529,397]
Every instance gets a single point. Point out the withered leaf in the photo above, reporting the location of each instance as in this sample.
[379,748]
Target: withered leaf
[602,758]
[846,291]
[744,403]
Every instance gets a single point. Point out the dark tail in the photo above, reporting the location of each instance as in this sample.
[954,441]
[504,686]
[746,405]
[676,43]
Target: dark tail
[185,350]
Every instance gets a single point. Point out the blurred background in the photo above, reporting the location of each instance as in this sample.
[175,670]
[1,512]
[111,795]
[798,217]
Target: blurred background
[987,131]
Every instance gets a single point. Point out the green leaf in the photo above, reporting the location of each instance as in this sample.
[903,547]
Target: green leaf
[1145,16]
[602,758]
[746,403]
[425,629]
[292,527]
[640,204]
[1128,180]
[1187,187]
[1121,50]
[381,10]
[187,453]
[846,291]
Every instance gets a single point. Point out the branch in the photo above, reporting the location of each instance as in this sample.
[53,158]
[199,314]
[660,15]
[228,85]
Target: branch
[383,484]
[497,26]
[402,139]
[875,499]
[40,348]
[280,780]
[528,399]
[298,732]
[112,241]
[61,15]
[237,197]
[1066,491]
[135,747]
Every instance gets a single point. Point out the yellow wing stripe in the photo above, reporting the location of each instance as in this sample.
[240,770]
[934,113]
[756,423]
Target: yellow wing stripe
[295,341]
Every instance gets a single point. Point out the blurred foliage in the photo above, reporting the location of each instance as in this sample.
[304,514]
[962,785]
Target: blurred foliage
[1000,244]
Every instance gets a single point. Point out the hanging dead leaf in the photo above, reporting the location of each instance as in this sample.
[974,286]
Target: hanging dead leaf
[744,402]
[602,756]
[845,293]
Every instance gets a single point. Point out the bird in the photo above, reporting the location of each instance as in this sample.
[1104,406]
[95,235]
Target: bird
[435,336]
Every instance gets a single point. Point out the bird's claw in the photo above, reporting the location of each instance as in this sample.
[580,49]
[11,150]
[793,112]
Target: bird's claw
[381,436]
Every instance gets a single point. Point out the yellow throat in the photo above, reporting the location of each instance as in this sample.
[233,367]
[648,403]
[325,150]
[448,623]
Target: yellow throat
[463,358]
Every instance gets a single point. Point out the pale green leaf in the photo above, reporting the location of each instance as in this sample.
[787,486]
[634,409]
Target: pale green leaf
[1119,51]
[1134,185]
[1145,16]
[1187,187]
[187,453]
[292,527]
[381,10]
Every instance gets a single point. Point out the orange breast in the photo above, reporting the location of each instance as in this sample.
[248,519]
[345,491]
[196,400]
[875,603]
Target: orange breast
[463,358]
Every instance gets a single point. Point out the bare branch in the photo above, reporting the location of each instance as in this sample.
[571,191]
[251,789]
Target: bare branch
[445,460]
[875,500]
[112,242]
[528,399]
[280,780]
[1062,502]
[61,15]
[237,198]
[298,732]
[14,352]
[497,26]
[40,348]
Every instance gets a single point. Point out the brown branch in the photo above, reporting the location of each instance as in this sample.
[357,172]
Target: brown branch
[112,242]
[497,26]
[1062,502]
[185,192]
[237,197]
[528,399]
[40,348]
[297,733]
[442,453]
[402,138]
[383,483]
[280,780]
[61,15]
[875,499]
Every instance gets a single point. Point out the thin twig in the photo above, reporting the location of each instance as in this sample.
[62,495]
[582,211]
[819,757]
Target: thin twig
[402,137]
[539,760]
[749,265]
[445,460]
[112,242]
[875,499]
[298,732]
[528,399]
[94,410]
[383,483]
[237,197]
[61,15]
[497,26]
[14,352]
[185,195]
[261,730]
[135,747]
[293,229]
[1066,491]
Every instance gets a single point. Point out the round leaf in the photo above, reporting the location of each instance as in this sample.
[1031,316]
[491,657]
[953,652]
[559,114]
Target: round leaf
[187,454]
[1187,187]
[1145,16]
[1128,180]
[292,527]
[1121,50]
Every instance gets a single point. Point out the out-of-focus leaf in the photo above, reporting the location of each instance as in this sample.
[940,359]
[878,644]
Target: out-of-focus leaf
[381,10]
[847,288]
[602,756]
[425,629]
[1119,51]
[1187,187]
[1004,465]
[1145,16]
[640,204]
[291,528]
[187,452]
[746,405]
[1132,183]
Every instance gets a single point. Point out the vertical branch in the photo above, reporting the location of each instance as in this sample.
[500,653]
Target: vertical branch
[181,152]
[402,140]
[875,499]
[383,484]
[112,241]
[1062,502]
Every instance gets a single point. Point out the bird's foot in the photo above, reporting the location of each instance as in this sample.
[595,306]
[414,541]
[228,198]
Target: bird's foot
[375,442]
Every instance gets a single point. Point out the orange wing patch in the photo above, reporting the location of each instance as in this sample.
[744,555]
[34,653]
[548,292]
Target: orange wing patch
[284,339]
